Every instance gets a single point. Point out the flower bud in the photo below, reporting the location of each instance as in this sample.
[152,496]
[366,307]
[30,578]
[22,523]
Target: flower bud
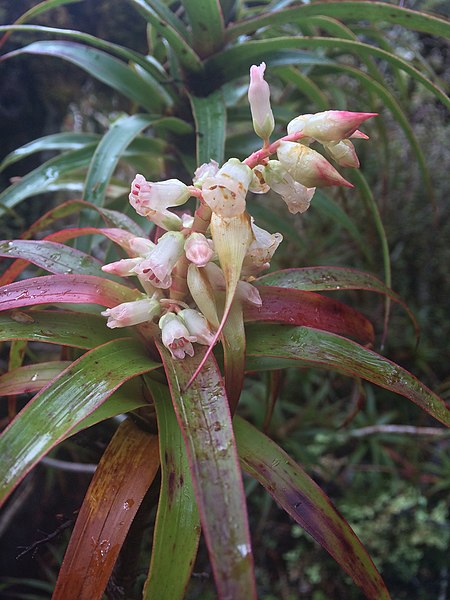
[198,249]
[297,196]
[141,246]
[225,192]
[308,167]
[197,325]
[175,336]
[343,153]
[132,313]
[328,126]
[122,268]
[158,265]
[259,99]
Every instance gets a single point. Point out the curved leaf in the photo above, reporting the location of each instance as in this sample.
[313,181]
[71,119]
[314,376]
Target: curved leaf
[31,378]
[56,141]
[296,307]
[108,153]
[323,349]
[51,256]
[64,403]
[120,482]
[155,73]
[204,417]
[76,289]
[77,330]
[340,9]
[46,176]
[306,503]
[322,279]
[242,56]
[177,525]
[100,65]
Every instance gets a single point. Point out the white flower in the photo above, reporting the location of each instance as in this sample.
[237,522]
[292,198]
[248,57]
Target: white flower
[259,99]
[260,251]
[197,325]
[225,192]
[157,266]
[132,313]
[175,336]
[203,171]
[297,196]
[151,200]
[258,184]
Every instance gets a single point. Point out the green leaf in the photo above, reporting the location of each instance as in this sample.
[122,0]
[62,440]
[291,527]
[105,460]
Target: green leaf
[45,177]
[107,69]
[121,480]
[305,85]
[130,396]
[108,153]
[331,209]
[204,416]
[235,62]
[177,525]
[56,141]
[42,7]
[210,126]
[205,18]
[357,10]
[323,349]
[80,389]
[172,29]
[306,503]
[78,330]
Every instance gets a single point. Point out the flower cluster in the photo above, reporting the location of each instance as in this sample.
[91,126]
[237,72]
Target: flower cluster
[186,271]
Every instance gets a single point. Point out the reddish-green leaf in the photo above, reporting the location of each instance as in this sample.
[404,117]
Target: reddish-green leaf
[322,279]
[78,289]
[177,524]
[121,480]
[60,406]
[307,504]
[296,307]
[323,349]
[204,416]
[51,256]
[31,378]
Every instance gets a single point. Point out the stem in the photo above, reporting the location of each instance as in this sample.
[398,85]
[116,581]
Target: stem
[261,155]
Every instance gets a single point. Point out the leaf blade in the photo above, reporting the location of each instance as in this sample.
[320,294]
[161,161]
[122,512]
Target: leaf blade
[80,389]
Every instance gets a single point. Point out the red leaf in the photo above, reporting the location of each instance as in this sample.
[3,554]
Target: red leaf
[76,289]
[296,307]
